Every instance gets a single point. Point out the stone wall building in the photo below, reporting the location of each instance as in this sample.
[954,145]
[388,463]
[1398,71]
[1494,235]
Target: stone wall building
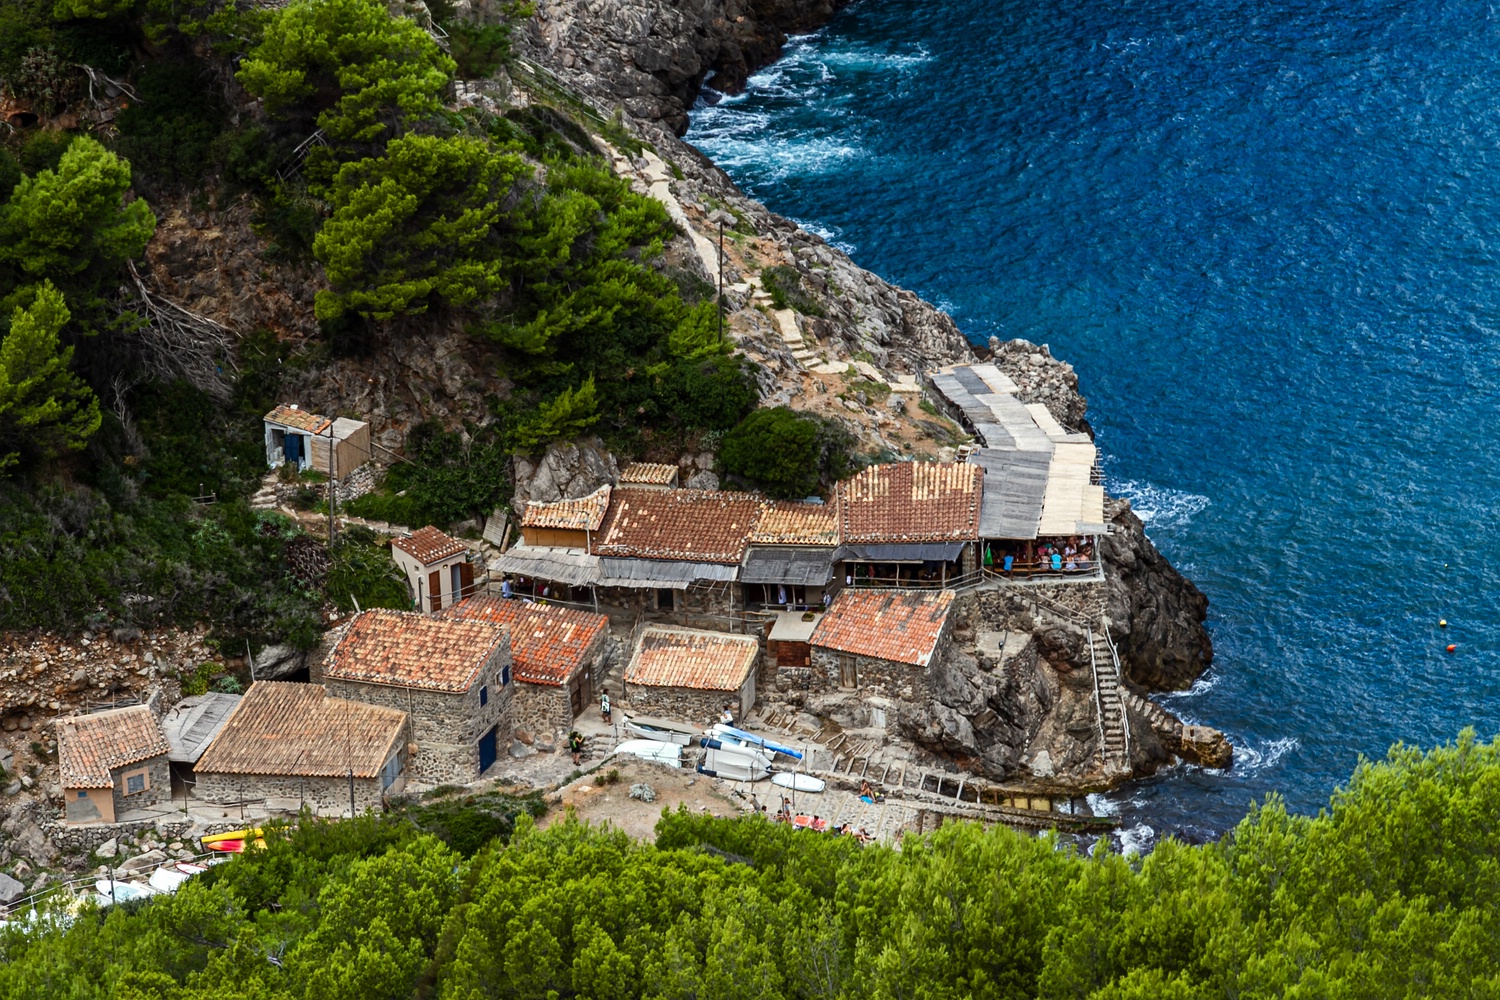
[436,568]
[111,762]
[911,524]
[674,555]
[292,745]
[880,642]
[691,676]
[453,678]
[789,561]
[558,654]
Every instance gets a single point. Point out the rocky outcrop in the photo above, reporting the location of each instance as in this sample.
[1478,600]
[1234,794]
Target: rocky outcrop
[566,470]
[653,56]
[1156,613]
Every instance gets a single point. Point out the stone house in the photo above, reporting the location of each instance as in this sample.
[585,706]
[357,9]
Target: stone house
[911,524]
[879,642]
[789,561]
[436,567]
[292,745]
[111,762]
[452,678]
[691,675]
[553,560]
[558,655]
[308,440]
[674,555]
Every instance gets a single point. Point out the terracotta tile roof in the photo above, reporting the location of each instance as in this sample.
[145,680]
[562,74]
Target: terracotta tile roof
[911,502]
[649,474]
[429,545]
[548,643]
[88,746]
[405,649]
[685,658]
[582,514]
[706,526]
[788,523]
[287,728]
[898,625]
[303,420]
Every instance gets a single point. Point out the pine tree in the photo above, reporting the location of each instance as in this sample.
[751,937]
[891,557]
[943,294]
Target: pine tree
[45,409]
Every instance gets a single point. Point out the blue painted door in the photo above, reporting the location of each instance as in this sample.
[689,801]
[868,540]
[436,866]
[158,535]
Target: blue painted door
[486,750]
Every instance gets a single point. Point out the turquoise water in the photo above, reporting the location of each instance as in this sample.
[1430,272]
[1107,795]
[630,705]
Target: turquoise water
[1265,234]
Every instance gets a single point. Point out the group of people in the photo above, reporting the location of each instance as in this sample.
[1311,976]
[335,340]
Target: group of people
[818,824]
[1074,555]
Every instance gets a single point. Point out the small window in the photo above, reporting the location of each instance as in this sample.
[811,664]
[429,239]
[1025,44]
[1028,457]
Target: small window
[505,675]
[484,696]
[82,794]
[135,783]
[664,599]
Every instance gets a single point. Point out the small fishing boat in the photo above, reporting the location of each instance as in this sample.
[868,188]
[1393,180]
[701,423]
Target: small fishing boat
[735,766]
[657,750]
[111,891]
[661,730]
[741,736]
[167,880]
[798,782]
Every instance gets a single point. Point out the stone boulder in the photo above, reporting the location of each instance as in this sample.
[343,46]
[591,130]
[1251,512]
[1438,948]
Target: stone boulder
[566,471]
[108,849]
[144,862]
[10,889]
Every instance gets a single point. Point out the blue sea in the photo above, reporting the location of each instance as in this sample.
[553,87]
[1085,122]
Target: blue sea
[1266,235]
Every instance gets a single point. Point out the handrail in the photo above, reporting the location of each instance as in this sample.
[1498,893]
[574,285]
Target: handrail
[962,582]
[1120,678]
[30,901]
[1098,699]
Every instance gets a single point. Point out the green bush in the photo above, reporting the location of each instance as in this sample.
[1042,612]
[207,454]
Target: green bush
[170,134]
[785,453]
[362,574]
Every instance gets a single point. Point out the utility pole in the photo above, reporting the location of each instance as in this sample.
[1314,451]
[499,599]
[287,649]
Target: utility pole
[331,482]
[720,216]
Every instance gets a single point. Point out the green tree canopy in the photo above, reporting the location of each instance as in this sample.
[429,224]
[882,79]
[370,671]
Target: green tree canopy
[415,226]
[72,226]
[45,410]
[784,452]
[364,74]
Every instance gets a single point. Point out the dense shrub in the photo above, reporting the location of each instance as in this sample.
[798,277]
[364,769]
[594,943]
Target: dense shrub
[1389,893]
[169,134]
[785,453]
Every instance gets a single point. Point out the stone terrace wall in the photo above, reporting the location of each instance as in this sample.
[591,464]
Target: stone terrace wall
[326,796]
[541,710]
[445,727]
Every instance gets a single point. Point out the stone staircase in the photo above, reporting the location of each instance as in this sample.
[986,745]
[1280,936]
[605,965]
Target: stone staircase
[265,497]
[1112,719]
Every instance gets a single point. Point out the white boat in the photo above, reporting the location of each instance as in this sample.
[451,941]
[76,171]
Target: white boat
[111,892]
[663,753]
[729,734]
[798,782]
[167,880]
[660,730]
[736,765]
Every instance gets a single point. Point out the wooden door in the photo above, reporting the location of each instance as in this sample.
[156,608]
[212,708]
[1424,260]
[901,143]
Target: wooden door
[465,581]
[848,676]
[435,589]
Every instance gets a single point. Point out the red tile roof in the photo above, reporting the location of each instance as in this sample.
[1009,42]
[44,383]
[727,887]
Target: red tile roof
[582,514]
[705,526]
[429,545]
[405,649]
[911,502]
[287,728]
[649,473]
[548,643]
[899,625]
[303,420]
[89,746]
[788,523]
[685,658]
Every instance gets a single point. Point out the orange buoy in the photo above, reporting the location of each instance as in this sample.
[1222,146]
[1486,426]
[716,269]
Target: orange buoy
[1452,648]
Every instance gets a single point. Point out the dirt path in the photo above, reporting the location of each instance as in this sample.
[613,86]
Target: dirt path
[597,802]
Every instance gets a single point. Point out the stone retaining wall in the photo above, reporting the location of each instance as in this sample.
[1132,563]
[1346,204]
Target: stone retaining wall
[325,796]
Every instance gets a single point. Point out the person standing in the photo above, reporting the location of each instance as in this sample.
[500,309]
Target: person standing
[604,706]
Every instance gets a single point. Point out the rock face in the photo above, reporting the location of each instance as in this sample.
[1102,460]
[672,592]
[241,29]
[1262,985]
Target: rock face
[566,471]
[653,56]
[1156,613]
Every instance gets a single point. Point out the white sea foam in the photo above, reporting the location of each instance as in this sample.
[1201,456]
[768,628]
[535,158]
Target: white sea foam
[1158,506]
[829,234]
[1201,686]
[1266,754]
[1102,806]
[1135,840]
